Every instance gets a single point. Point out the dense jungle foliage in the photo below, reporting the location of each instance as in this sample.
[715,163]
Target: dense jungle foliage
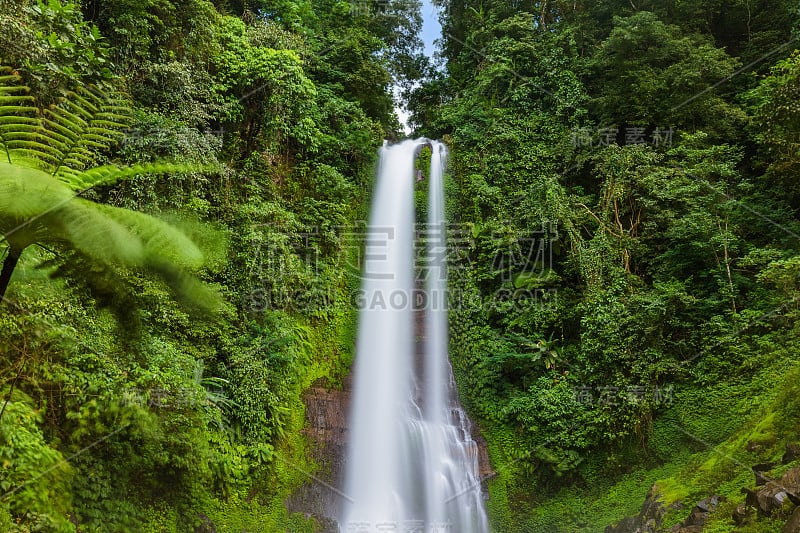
[180,180]
[175,180]
[624,178]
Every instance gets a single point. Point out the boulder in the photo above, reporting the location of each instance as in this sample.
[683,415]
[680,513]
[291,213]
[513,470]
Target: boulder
[710,504]
[791,482]
[750,499]
[771,497]
[696,518]
[699,514]
[773,494]
[647,521]
[762,479]
[741,515]
[652,508]
[793,525]
[678,506]
[792,453]
[206,525]
[626,525]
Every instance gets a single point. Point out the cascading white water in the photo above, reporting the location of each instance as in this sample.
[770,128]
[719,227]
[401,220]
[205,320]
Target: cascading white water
[382,374]
[409,469]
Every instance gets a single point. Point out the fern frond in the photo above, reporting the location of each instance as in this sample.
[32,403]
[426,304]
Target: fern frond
[28,121]
[92,232]
[28,192]
[84,122]
[110,174]
[35,207]
[64,137]
[190,291]
[50,153]
[7,76]
[33,146]
[27,195]
[106,285]
[18,115]
[161,242]
[11,91]
[32,200]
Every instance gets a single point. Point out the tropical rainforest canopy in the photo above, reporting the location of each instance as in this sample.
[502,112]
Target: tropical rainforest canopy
[182,185]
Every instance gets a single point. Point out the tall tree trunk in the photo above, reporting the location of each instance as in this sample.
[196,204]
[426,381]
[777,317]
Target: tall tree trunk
[9,264]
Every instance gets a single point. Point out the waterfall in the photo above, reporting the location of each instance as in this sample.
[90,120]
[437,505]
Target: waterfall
[412,466]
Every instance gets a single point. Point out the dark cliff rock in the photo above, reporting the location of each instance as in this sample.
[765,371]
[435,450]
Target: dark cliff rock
[327,411]
[647,521]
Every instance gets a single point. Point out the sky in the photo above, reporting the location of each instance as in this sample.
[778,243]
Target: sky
[431,30]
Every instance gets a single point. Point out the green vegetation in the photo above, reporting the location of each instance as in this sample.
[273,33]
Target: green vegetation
[625,173]
[177,180]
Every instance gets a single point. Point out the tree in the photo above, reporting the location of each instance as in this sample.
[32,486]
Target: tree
[776,124]
[648,73]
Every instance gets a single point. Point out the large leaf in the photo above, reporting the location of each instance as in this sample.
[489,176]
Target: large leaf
[160,240]
[32,198]
[35,207]
[110,174]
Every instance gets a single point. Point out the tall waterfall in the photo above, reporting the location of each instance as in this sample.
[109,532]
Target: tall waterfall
[412,466]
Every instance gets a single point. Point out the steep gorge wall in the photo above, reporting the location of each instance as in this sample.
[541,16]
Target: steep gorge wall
[327,411]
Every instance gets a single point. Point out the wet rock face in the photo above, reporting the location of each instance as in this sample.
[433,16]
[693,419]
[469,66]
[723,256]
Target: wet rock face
[327,411]
[485,470]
